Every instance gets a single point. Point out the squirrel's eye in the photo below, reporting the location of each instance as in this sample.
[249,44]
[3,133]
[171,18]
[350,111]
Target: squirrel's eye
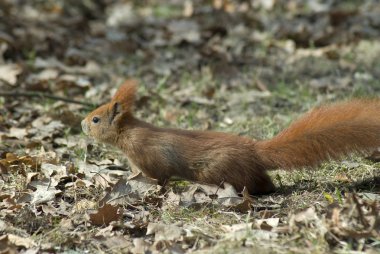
[95,119]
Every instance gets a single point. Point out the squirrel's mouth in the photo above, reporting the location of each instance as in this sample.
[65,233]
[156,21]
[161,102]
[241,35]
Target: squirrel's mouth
[84,127]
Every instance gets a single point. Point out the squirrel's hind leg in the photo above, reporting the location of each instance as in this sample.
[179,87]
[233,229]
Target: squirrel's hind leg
[262,184]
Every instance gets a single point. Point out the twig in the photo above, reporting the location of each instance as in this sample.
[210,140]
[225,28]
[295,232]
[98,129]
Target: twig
[44,95]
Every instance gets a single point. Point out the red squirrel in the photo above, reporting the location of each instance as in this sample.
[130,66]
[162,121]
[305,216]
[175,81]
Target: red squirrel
[325,133]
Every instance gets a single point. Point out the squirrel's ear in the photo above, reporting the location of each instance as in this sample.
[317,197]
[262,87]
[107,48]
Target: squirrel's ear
[124,98]
[115,110]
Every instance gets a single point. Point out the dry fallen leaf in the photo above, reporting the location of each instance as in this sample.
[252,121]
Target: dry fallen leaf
[51,170]
[199,194]
[84,204]
[9,73]
[356,218]
[17,163]
[116,243]
[104,215]
[6,246]
[25,242]
[184,30]
[244,231]
[19,133]
[164,232]
[121,193]
[44,127]
[45,190]
[267,224]
[237,227]
[140,246]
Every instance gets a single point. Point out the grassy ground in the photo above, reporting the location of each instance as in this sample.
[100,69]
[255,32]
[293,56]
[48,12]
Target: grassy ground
[234,67]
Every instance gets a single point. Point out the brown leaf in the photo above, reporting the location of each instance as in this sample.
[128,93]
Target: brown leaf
[11,204]
[105,214]
[13,162]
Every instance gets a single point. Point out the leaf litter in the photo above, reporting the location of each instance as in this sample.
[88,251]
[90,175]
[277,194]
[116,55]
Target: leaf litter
[203,65]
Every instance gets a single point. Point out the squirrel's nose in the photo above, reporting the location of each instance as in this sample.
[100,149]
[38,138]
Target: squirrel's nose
[84,127]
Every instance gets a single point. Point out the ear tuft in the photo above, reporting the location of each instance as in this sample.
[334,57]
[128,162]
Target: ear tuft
[125,96]
[115,110]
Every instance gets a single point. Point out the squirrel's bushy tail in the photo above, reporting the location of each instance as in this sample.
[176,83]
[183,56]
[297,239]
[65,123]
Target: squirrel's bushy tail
[324,133]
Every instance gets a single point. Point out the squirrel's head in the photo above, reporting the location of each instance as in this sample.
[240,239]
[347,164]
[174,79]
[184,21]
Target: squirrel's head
[105,123]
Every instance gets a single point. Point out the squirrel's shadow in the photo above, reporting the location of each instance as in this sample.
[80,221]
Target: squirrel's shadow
[366,185]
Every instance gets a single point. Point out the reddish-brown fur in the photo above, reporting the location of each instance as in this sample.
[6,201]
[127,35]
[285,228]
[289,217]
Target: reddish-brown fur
[327,132]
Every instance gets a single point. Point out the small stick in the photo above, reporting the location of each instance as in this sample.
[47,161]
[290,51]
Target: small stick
[44,95]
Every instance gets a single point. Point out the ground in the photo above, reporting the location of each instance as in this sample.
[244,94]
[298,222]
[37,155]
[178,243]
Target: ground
[243,67]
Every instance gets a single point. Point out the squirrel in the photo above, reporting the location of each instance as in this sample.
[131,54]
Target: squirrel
[328,132]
